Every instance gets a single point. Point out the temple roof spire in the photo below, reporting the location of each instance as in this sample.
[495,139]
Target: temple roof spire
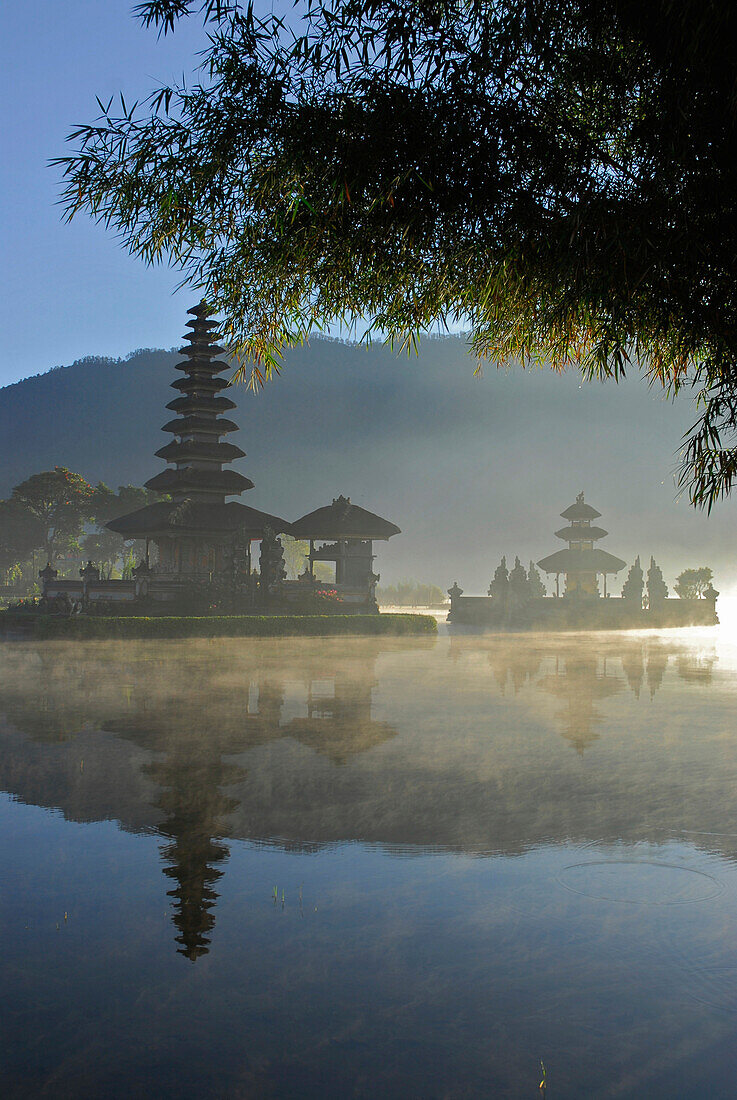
[580,510]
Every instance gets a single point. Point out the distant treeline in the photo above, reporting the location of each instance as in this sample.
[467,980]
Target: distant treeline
[410,594]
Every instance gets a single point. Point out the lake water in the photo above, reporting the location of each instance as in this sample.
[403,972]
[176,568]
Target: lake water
[370,867]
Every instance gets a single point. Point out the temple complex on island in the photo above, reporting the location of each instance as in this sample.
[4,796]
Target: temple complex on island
[582,563]
[516,599]
[198,543]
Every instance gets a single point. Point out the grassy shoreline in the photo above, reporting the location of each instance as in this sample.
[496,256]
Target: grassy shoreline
[214,626]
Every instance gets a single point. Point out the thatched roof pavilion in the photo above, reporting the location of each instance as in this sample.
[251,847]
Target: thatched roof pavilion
[347,533]
[192,517]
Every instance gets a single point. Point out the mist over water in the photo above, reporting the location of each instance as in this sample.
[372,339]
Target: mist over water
[362,867]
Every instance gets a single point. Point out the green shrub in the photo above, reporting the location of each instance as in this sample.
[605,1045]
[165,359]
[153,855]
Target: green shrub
[230,626]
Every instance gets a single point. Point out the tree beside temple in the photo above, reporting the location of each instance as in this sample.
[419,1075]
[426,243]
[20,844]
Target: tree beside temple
[519,585]
[515,587]
[58,512]
[410,593]
[60,502]
[634,586]
[20,534]
[560,178]
[691,584]
[657,589]
[536,587]
[499,587]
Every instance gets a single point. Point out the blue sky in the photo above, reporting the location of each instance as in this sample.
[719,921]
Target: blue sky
[70,290]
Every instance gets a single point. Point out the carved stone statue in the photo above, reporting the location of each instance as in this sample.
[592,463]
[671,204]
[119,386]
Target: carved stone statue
[47,575]
[271,563]
[89,572]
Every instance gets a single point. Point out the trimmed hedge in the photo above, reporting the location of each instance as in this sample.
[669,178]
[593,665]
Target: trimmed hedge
[225,626]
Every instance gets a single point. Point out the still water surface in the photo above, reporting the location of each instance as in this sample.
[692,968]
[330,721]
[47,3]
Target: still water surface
[370,867]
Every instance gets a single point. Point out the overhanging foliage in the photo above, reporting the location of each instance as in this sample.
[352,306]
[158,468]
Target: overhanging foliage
[557,175]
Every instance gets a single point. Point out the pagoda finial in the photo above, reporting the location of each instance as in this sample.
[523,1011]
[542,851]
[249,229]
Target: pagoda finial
[579,498]
[201,309]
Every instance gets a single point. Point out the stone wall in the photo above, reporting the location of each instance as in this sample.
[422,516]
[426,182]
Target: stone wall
[551,613]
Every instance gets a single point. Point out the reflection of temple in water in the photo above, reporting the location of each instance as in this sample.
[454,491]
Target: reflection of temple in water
[520,668]
[188,734]
[194,804]
[696,671]
[582,681]
[282,744]
[580,684]
[190,776]
[339,723]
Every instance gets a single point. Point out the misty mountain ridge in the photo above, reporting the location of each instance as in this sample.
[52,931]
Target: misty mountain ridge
[469,466]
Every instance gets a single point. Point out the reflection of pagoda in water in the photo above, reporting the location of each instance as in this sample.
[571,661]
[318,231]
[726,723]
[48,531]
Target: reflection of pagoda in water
[520,668]
[179,731]
[192,776]
[581,686]
[266,744]
[583,681]
[195,807]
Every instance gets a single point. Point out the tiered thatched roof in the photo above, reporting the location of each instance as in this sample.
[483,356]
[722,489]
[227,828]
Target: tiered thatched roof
[576,559]
[196,480]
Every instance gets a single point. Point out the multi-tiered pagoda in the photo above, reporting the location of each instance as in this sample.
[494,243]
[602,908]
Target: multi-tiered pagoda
[198,532]
[582,562]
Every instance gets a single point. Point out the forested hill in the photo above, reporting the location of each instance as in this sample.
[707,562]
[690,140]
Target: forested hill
[94,417]
[469,467]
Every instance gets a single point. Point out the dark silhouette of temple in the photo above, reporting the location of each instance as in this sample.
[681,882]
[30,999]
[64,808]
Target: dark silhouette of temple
[203,541]
[198,534]
[514,601]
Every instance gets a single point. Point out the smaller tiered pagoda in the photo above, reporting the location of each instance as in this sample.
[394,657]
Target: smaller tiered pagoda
[582,562]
